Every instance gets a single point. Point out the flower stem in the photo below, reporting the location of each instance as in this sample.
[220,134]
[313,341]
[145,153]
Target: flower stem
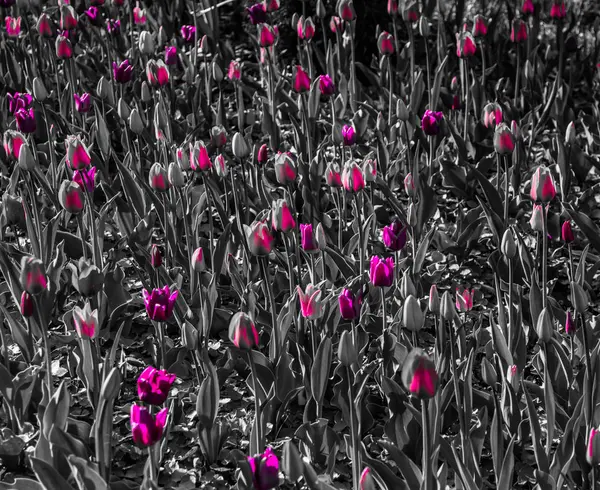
[353,433]
[384,313]
[153,476]
[257,415]
[45,335]
[264,265]
[426,443]
[544,256]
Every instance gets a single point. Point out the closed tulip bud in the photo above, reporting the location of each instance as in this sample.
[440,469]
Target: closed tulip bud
[199,159]
[320,9]
[592,454]
[424,27]
[309,29]
[430,122]
[419,375]
[26,159]
[381,122]
[480,27]
[198,262]
[242,331]
[333,176]
[102,88]
[155,256]
[221,168]
[412,315]
[39,90]
[147,429]
[135,122]
[175,175]
[407,287]
[350,304]
[239,146]
[353,179]
[529,72]
[402,111]
[311,305]
[285,168]
[370,170]
[558,10]
[146,43]
[217,73]
[514,129]
[259,237]
[70,196]
[570,325]
[513,377]
[360,122]
[301,80]
[465,45]
[262,156]
[346,10]
[281,217]
[434,300]
[64,49]
[492,115]
[570,134]
[385,43]
[409,186]
[504,141]
[123,109]
[545,325]
[394,235]
[33,276]
[410,12]
[567,233]
[537,218]
[145,93]
[157,73]
[381,271]
[509,247]
[189,336]
[579,298]
[158,178]
[320,237]
[44,25]
[518,33]
[26,305]
[447,308]
[412,215]
[464,299]
[12,210]
[367,482]
[68,17]
[347,350]
[122,72]
[218,136]
[542,185]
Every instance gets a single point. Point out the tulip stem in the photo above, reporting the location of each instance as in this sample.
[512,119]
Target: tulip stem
[151,465]
[454,374]
[511,320]
[517,76]
[161,338]
[506,191]
[467,93]
[411,40]
[82,235]
[45,335]
[391,90]
[353,433]
[361,258]
[210,221]
[544,255]
[426,443]
[384,313]
[352,66]
[257,414]
[286,244]
[264,265]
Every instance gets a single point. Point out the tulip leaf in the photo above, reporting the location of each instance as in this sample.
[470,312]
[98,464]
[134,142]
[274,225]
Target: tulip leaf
[536,432]
[500,344]
[341,263]
[48,476]
[491,193]
[221,249]
[535,301]
[22,484]
[319,373]
[291,462]
[419,257]
[410,471]
[437,83]
[384,472]
[85,475]
[506,475]
[7,387]
[585,224]
[18,333]
[494,222]
[131,189]
[565,452]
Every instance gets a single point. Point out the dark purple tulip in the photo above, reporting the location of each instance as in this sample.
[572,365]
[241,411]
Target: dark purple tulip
[257,14]
[123,72]
[326,85]
[188,33]
[147,429]
[86,178]
[83,103]
[93,14]
[113,26]
[153,385]
[430,123]
[18,101]
[25,120]
[350,304]
[381,272]
[394,236]
[171,55]
[160,303]
[265,470]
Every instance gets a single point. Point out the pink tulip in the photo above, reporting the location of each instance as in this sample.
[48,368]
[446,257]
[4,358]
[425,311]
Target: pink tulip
[480,27]
[381,271]
[12,142]
[567,233]
[301,80]
[257,14]
[33,276]
[139,15]
[234,73]
[346,10]
[78,156]
[419,375]
[528,7]
[158,178]
[70,196]
[394,236]
[464,300]
[310,302]
[326,85]
[333,176]
[385,43]
[285,168]
[242,331]
[171,55]
[199,159]
[465,45]
[13,26]
[26,120]
[68,17]
[83,103]
[492,115]
[86,179]
[353,179]
[157,73]
[260,239]
[281,217]
[86,321]
[504,141]
[198,262]
[265,470]
[430,122]
[349,135]
[26,306]
[44,26]
[518,33]
[558,10]
[350,304]
[266,36]
[542,185]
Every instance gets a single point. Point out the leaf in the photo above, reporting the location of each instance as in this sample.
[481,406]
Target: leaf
[491,193]
[22,484]
[131,188]
[57,411]
[585,224]
[48,476]
[506,476]
[291,462]
[319,373]
[422,252]
[341,263]
[500,344]
[221,248]
[207,402]
[85,474]
[410,471]
[18,333]
[437,83]
[536,432]
[7,387]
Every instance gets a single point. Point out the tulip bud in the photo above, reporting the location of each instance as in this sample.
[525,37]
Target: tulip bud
[528,70]
[123,109]
[545,325]
[402,111]
[198,262]
[135,122]
[26,305]
[145,93]
[592,454]
[158,178]
[347,351]
[567,233]
[26,158]
[412,315]
[217,73]
[570,134]
[407,287]
[381,123]
[570,325]
[537,218]
[281,217]
[70,196]
[320,9]
[175,175]
[412,215]
[189,336]
[242,331]
[146,43]
[513,377]
[508,247]
[33,276]
[424,27]
[39,90]
[434,300]
[155,256]
[504,141]
[579,298]
[263,155]
[112,385]
[542,185]
[239,146]
[409,186]
[102,88]
[419,376]
[447,308]
[367,482]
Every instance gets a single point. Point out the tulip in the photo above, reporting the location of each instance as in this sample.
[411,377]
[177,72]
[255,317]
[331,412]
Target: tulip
[78,156]
[86,179]
[300,27]
[542,185]
[370,170]
[146,429]
[157,73]
[310,302]
[257,14]
[545,325]
[26,306]
[307,238]
[592,454]
[281,217]
[113,26]
[265,470]
[155,256]
[198,263]
[346,10]
[93,15]
[347,350]
[518,33]
[139,15]
[26,120]
[465,45]
[26,160]
[153,385]
[135,122]
[70,196]
[123,72]
[411,13]
[263,155]
[537,218]
[260,239]
[221,168]
[352,178]
[159,303]
[392,9]
[513,377]
[239,146]
[409,185]
[146,43]
[385,43]
[419,375]
[285,168]
[301,80]
[83,103]
[579,298]
[335,24]
[234,72]
[558,10]
[508,245]
[480,27]
[158,178]
[309,29]
[199,159]
[464,300]
[381,271]
[171,55]
[434,300]
[504,141]
[242,331]
[570,326]
[89,280]
[492,115]
[33,276]
[68,17]
[412,315]
[567,233]
[367,482]
[86,321]
[333,176]
[18,101]
[271,5]
[349,135]
[326,85]
[350,304]
[266,36]
[456,105]
[430,122]
[528,7]
[44,26]
[394,236]
[570,134]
